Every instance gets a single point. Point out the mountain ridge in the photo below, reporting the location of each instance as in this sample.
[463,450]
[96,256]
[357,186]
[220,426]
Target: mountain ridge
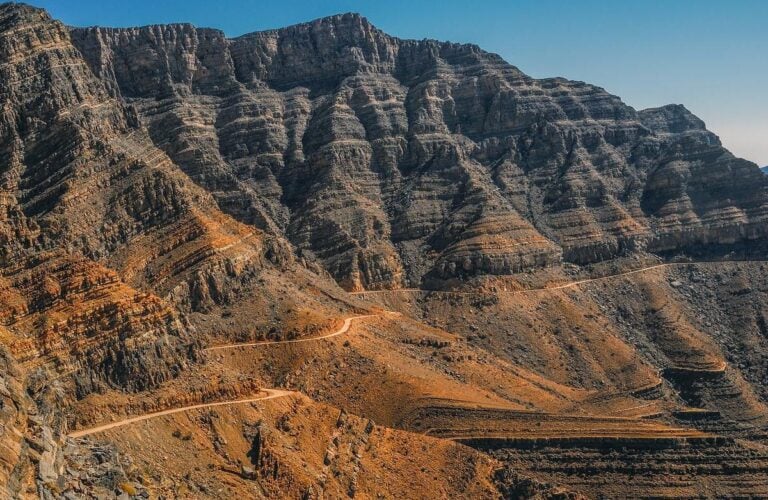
[388,106]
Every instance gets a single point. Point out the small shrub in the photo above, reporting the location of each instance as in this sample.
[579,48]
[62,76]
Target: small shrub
[128,488]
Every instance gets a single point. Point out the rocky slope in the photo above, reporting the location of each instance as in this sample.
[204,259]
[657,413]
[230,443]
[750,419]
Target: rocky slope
[103,238]
[390,161]
[104,243]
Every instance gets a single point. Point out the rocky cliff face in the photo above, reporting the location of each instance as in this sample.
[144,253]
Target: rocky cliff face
[99,224]
[55,124]
[104,247]
[390,161]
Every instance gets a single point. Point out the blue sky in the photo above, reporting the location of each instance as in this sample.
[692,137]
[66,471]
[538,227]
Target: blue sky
[710,55]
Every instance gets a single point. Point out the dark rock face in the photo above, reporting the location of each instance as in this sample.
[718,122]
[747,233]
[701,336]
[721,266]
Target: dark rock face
[391,160]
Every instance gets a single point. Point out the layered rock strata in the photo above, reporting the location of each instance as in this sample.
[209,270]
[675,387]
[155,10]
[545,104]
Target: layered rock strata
[389,160]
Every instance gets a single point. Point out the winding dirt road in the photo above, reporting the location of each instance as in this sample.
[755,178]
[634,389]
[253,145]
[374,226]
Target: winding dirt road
[341,331]
[270,394]
[277,393]
[571,284]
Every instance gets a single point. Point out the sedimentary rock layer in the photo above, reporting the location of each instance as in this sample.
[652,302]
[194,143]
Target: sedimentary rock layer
[388,160]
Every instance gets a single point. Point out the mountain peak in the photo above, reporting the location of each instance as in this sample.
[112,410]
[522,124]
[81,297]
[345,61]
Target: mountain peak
[346,22]
[13,13]
[671,118]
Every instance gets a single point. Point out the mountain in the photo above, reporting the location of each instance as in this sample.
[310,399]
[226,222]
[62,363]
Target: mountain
[764,170]
[324,261]
[393,162]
